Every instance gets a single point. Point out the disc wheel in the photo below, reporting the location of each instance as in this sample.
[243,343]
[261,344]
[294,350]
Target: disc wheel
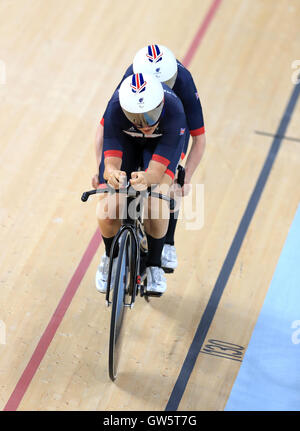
[121,296]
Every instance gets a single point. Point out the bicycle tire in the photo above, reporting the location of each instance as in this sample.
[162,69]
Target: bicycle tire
[121,293]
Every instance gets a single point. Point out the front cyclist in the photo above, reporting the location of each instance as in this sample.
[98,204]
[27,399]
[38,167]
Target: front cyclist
[161,62]
[145,127]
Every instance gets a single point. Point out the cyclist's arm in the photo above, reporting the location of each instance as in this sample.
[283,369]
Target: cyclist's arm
[153,175]
[112,173]
[113,138]
[195,121]
[99,132]
[111,164]
[100,129]
[99,144]
[194,156]
[155,172]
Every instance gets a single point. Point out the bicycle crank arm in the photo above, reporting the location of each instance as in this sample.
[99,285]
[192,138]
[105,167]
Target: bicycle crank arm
[154,294]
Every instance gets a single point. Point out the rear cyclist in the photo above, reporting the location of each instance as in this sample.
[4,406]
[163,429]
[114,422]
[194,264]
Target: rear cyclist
[145,128]
[161,62]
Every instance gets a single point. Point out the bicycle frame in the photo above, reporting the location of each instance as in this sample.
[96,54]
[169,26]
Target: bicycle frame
[128,279]
[132,225]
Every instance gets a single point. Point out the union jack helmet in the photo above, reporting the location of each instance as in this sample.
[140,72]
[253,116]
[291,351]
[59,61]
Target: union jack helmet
[157,60]
[141,98]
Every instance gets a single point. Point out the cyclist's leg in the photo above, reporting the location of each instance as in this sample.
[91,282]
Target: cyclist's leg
[109,212]
[170,235]
[156,217]
[109,226]
[110,206]
[156,221]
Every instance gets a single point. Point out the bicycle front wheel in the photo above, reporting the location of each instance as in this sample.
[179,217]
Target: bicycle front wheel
[121,293]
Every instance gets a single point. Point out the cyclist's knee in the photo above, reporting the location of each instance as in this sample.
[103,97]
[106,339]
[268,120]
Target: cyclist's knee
[109,209]
[156,228]
[157,209]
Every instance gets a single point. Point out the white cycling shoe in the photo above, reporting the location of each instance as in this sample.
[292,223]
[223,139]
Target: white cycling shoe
[156,281]
[102,274]
[168,258]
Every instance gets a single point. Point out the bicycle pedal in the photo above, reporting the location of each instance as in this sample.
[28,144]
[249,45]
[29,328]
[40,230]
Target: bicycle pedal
[168,270]
[154,294]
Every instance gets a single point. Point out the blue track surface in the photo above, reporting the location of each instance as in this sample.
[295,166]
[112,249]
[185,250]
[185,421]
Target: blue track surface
[269,377]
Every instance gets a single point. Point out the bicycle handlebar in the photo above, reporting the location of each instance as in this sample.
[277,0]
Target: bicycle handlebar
[125,190]
[108,188]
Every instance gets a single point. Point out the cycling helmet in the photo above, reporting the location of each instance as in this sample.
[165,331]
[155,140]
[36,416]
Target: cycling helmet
[141,98]
[157,60]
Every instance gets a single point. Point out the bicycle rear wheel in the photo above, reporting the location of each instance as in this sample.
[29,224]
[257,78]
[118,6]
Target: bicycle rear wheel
[121,294]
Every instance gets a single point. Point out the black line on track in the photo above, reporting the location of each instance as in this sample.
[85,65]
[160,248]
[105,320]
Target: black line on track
[272,135]
[231,257]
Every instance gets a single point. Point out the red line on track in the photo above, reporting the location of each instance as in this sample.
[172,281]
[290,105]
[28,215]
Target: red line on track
[201,32]
[54,323]
[40,351]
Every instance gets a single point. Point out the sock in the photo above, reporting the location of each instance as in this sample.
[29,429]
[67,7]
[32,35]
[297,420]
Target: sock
[155,246]
[108,243]
[171,228]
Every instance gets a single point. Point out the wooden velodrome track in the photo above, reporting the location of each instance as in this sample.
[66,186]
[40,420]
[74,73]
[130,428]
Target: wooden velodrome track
[60,62]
